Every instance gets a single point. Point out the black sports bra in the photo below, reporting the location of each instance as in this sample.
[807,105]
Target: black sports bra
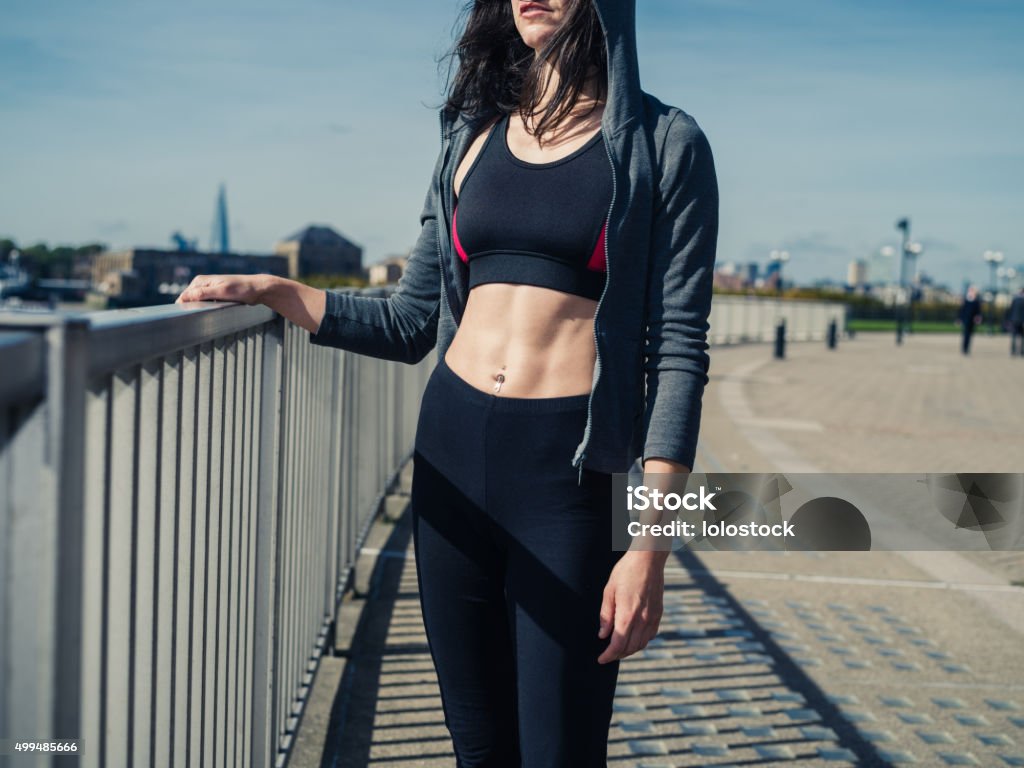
[535,223]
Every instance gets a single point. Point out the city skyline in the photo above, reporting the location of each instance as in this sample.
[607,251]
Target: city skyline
[829,121]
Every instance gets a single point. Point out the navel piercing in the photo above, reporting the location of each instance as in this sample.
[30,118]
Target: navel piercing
[500,379]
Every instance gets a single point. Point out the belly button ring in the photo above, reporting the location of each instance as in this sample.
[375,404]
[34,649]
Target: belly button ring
[500,379]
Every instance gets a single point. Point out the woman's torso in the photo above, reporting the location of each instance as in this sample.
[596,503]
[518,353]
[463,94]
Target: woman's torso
[539,340]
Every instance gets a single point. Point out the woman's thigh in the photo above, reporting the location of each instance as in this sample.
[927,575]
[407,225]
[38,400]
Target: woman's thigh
[558,538]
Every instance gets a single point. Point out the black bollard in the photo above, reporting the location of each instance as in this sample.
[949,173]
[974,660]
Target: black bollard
[832,334]
[780,339]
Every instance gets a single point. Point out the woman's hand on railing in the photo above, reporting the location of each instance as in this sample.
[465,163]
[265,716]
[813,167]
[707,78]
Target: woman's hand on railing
[301,304]
[247,289]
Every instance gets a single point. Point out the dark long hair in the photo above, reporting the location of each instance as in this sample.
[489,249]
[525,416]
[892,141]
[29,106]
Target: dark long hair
[498,72]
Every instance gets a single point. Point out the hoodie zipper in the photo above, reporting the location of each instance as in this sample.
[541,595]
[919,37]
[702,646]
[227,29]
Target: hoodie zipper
[597,310]
[444,214]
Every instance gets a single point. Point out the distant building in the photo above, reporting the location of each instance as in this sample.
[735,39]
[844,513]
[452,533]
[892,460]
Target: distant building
[141,277]
[726,278]
[751,272]
[387,271]
[320,250]
[857,273]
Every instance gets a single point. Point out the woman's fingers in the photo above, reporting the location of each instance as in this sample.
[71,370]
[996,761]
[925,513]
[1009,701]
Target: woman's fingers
[624,623]
[607,616]
[634,628]
[217,288]
[619,642]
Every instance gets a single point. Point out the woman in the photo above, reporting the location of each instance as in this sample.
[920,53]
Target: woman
[563,267]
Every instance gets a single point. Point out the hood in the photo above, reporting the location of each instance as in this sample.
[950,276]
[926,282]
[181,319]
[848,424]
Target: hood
[618,20]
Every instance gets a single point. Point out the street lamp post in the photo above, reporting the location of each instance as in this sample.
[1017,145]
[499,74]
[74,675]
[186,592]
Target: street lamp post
[993,259]
[904,226]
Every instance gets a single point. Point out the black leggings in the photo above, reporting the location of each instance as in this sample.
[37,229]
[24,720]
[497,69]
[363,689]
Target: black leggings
[512,558]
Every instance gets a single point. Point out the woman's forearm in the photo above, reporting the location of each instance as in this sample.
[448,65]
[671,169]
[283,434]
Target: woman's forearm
[300,303]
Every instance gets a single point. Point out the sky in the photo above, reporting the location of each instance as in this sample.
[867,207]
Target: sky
[829,120]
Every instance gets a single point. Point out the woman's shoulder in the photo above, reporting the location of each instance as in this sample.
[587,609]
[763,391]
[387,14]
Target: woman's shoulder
[666,121]
[682,152]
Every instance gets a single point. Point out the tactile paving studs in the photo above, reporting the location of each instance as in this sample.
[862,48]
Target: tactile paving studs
[1003,705]
[896,701]
[897,756]
[956,668]
[836,753]
[790,696]
[858,716]
[936,737]
[994,739]
[743,710]
[688,710]
[732,694]
[906,666]
[774,752]
[643,747]
[876,736]
[677,693]
[958,758]
[950,703]
[846,699]
[698,729]
[637,726]
[628,707]
[890,652]
[915,718]
[973,721]
[710,750]
[818,733]
[802,714]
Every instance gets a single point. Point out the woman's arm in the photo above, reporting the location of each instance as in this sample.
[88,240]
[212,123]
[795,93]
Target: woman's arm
[684,238]
[300,303]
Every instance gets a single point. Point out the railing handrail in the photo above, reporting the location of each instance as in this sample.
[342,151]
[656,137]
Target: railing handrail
[189,487]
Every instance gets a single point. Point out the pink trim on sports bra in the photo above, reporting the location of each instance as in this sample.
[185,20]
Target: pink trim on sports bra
[455,235]
[596,262]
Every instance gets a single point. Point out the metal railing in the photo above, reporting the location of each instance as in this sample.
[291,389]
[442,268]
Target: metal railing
[736,319]
[182,497]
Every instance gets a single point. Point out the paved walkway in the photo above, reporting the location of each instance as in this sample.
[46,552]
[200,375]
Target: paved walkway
[876,658]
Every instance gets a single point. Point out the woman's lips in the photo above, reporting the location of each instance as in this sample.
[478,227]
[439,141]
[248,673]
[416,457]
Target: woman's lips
[532,10]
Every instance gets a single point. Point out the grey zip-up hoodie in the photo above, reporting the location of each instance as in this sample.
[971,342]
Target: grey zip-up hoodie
[651,323]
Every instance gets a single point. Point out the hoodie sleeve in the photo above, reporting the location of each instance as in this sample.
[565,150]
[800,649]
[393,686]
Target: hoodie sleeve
[403,325]
[684,241]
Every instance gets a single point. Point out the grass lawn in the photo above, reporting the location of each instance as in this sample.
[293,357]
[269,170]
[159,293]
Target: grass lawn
[919,326]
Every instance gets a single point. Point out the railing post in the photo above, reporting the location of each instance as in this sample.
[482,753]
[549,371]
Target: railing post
[264,709]
[68,369]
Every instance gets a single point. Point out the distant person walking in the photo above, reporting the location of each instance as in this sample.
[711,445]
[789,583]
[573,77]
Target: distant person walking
[969,316]
[1016,318]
